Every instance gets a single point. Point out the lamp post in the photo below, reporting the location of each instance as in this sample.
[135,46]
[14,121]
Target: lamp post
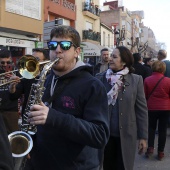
[120,35]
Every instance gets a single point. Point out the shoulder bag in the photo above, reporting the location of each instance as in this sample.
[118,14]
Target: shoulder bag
[154,88]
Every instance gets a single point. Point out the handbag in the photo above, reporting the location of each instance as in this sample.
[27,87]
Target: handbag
[154,87]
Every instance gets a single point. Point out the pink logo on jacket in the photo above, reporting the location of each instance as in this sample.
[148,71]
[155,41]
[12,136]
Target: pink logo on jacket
[68,102]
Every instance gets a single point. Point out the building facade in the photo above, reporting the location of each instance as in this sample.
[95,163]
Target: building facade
[119,19]
[88,25]
[21,26]
[57,12]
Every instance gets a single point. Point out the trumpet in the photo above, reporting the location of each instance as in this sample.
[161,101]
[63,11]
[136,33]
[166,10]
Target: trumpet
[28,67]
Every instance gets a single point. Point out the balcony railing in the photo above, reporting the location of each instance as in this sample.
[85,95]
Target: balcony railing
[94,9]
[91,35]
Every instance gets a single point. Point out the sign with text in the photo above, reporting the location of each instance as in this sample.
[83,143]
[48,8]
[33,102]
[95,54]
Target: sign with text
[16,42]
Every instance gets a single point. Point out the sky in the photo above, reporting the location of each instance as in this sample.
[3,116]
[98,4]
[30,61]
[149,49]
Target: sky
[156,17]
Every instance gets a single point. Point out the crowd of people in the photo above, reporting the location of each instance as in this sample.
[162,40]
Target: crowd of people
[87,118]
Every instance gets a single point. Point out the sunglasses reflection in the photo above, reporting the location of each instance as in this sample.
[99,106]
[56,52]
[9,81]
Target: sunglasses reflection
[64,45]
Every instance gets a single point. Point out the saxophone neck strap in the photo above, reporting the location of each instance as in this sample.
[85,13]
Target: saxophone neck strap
[154,87]
[57,91]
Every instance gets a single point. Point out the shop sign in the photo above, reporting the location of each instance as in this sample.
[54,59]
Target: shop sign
[38,44]
[16,42]
[90,54]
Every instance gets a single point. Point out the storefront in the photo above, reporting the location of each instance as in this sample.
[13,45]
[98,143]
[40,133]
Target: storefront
[91,52]
[18,47]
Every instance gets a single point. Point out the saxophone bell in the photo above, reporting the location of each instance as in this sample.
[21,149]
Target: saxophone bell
[21,143]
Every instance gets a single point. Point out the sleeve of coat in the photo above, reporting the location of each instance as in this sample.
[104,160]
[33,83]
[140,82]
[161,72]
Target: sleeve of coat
[19,91]
[141,111]
[6,161]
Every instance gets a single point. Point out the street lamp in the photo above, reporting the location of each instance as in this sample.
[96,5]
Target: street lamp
[120,35]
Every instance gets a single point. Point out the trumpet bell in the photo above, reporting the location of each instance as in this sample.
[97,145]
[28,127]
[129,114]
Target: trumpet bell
[21,143]
[28,66]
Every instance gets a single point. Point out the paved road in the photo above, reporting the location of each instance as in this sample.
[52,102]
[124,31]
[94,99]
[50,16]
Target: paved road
[141,163]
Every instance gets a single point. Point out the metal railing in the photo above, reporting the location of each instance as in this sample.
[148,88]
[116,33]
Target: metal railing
[91,35]
[94,9]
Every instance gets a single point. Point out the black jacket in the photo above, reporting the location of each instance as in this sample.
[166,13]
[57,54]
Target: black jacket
[141,70]
[6,161]
[77,126]
[6,104]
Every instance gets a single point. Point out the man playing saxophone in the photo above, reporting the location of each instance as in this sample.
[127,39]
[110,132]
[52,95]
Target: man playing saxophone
[73,129]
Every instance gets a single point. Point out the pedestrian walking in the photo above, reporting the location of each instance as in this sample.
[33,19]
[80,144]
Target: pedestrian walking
[162,56]
[8,108]
[157,91]
[128,111]
[140,68]
[148,63]
[103,65]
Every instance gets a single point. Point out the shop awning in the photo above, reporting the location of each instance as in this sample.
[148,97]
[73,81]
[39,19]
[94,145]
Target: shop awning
[91,49]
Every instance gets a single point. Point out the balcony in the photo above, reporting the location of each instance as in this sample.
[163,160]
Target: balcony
[91,10]
[91,35]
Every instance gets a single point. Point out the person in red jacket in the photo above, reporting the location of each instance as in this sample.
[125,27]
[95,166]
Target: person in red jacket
[157,92]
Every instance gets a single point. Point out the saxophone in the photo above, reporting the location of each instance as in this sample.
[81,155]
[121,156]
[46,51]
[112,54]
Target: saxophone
[20,141]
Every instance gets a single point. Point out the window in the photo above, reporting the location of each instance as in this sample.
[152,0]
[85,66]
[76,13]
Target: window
[89,26]
[108,40]
[104,36]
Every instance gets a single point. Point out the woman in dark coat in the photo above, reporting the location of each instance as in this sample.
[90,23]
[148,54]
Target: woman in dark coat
[128,111]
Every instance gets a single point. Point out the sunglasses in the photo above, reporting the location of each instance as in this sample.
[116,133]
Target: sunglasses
[3,62]
[64,45]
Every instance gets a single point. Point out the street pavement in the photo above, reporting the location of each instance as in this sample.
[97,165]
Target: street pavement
[142,163]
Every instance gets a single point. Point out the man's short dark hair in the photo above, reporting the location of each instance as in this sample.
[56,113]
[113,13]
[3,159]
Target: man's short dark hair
[104,49]
[137,57]
[145,60]
[4,53]
[42,50]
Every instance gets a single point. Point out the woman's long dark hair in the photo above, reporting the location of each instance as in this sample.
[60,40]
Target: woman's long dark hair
[126,57]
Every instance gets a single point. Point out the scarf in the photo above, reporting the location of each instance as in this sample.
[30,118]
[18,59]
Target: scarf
[115,80]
